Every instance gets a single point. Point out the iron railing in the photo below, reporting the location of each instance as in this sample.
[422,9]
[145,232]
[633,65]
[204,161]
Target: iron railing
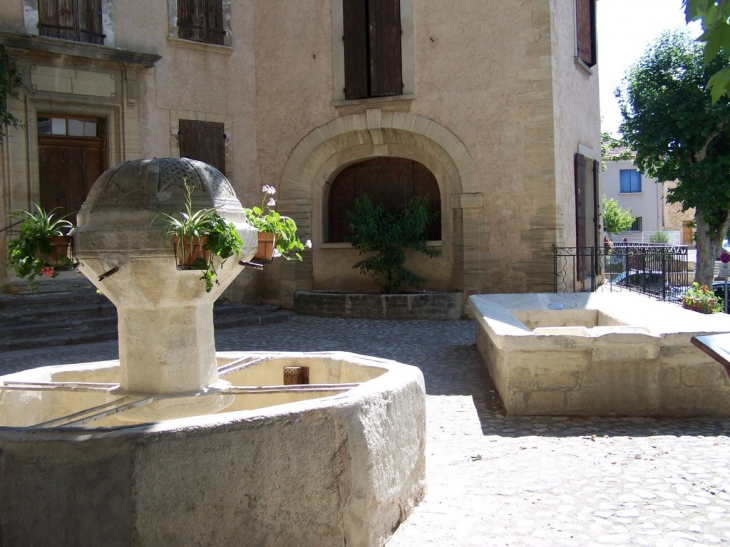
[654,269]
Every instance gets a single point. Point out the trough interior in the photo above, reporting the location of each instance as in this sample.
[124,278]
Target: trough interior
[25,408]
[533,319]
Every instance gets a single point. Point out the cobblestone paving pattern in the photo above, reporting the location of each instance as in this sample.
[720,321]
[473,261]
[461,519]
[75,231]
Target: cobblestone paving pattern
[495,480]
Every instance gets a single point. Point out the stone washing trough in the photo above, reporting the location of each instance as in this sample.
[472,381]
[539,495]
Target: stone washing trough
[337,462]
[177,444]
[599,354]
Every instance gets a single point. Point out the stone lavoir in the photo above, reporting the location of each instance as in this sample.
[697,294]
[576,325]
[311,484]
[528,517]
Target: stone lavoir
[177,444]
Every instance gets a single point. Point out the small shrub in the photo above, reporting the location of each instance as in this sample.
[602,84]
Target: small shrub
[388,234]
[659,237]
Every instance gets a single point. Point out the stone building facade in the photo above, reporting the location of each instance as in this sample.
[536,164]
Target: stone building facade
[496,102]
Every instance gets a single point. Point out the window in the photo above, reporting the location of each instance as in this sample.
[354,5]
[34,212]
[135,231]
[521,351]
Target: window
[204,141]
[68,127]
[637,225]
[201,21]
[372,41]
[392,182]
[630,181]
[78,20]
[585,23]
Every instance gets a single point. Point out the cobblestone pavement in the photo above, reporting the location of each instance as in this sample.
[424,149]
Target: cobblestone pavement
[497,480]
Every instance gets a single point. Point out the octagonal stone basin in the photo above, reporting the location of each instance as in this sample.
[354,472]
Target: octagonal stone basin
[589,354]
[339,461]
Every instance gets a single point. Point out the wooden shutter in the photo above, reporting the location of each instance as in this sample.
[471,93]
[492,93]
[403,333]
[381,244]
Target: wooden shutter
[583,265]
[57,19]
[203,141]
[586,30]
[596,224]
[214,32]
[191,20]
[385,48]
[355,25]
[90,26]
[201,21]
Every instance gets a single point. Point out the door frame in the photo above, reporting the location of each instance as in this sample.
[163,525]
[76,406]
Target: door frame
[113,152]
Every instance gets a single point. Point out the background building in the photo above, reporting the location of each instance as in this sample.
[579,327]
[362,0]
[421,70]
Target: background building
[491,108]
[647,200]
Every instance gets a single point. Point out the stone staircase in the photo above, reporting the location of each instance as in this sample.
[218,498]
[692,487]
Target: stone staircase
[72,312]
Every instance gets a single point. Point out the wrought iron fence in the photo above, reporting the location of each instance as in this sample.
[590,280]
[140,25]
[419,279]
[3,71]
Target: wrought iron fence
[654,269]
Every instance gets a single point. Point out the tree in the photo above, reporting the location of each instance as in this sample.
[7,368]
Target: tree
[715,18]
[679,134]
[615,219]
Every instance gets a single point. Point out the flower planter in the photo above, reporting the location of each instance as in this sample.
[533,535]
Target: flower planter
[190,251]
[60,253]
[267,243]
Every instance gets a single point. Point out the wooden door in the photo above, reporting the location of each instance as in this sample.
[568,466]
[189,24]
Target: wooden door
[392,182]
[68,167]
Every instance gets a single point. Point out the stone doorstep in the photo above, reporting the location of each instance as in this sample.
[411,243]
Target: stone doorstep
[414,306]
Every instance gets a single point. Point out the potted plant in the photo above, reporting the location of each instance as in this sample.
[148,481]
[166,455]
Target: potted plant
[277,234]
[41,248]
[701,299]
[199,236]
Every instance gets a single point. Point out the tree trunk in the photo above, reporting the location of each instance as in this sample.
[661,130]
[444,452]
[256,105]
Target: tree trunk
[709,244]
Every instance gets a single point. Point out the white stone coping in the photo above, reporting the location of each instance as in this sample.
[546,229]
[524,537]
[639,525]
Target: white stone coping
[396,377]
[638,317]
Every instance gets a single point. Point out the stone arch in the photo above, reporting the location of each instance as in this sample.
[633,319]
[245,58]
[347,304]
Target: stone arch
[332,147]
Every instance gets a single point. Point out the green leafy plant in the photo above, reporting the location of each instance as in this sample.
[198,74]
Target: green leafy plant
[615,219]
[659,237]
[388,234]
[201,229]
[701,298]
[266,219]
[30,253]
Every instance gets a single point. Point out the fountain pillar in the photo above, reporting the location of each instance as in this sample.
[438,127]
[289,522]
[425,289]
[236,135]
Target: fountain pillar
[166,338]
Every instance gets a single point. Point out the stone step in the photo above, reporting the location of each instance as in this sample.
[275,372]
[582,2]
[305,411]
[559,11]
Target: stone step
[83,316]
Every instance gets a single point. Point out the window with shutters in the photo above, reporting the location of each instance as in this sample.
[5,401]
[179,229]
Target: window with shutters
[204,141]
[392,182]
[585,24]
[629,181]
[201,21]
[372,41]
[77,20]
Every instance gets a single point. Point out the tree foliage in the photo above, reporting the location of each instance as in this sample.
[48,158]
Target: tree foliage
[388,234]
[679,134]
[615,219]
[11,79]
[715,18]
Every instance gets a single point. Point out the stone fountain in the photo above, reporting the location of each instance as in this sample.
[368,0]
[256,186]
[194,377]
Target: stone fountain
[177,444]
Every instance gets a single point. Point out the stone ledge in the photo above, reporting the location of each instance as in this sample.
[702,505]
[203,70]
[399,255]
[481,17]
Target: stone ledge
[423,306]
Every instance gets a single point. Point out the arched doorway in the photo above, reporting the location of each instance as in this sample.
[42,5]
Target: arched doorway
[392,182]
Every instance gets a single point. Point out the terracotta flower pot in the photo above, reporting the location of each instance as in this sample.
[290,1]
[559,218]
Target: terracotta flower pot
[190,251]
[60,252]
[267,243]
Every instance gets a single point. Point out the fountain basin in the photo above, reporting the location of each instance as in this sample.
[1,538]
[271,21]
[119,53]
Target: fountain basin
[593,354]
[337,462]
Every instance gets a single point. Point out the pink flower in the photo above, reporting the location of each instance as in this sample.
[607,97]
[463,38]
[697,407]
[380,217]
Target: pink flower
[47,271]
